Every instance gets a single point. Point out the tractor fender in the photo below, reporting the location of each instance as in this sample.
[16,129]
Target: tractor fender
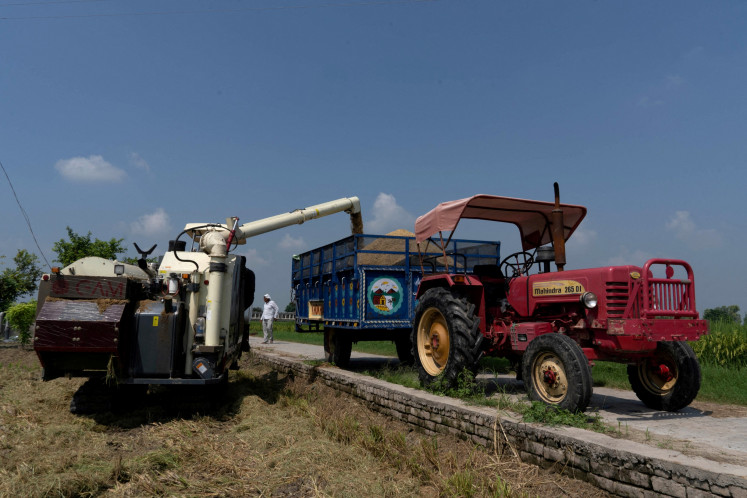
[465,285]
[471,285]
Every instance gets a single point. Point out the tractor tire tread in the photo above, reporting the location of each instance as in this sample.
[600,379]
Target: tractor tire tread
[685,389]
[465,336]
[576,366]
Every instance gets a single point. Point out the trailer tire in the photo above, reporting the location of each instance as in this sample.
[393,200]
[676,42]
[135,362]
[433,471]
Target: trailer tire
[556,372]
[337,347]
[669,380]
[404,350]
[445,337]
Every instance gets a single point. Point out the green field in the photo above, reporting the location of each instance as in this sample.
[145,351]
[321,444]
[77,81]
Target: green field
[723,357]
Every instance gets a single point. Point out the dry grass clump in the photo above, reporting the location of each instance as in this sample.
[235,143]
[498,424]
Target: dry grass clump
[102,303]
[267,434]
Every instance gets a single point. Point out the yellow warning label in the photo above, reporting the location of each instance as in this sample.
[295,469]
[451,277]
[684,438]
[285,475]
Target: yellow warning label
[155,321]
[557,288]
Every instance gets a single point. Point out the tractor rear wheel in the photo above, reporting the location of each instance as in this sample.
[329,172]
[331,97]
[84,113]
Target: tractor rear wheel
[669,380]
[337,347]
[445,337]
[556,372]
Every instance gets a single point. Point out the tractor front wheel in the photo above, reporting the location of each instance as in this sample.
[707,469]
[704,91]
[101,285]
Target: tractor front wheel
[669,380]
[445,337]
[337,347]
[556,372]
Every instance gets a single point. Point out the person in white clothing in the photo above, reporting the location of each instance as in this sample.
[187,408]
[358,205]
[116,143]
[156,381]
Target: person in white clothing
[269,314]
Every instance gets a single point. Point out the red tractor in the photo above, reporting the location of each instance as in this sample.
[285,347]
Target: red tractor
[552,325]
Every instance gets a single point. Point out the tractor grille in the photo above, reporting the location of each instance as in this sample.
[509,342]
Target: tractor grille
[618,294]
[670,297]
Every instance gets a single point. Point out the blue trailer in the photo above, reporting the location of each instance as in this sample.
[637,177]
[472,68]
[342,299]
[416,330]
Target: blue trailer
[362,287]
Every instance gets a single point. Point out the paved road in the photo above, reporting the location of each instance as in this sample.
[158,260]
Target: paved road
[693,430]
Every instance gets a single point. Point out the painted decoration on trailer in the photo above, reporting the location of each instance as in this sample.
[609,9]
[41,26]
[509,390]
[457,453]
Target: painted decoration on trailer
[385,295]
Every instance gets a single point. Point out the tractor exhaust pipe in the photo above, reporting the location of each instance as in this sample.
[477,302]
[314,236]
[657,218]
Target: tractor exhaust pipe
[558,229]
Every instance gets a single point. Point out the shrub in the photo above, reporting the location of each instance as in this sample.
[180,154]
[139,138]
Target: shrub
[725,346]
[20,317]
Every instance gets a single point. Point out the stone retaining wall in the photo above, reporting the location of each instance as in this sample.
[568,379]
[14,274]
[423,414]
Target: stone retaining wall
[618,466]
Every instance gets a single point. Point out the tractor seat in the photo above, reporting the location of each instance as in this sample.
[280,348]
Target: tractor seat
[491,271]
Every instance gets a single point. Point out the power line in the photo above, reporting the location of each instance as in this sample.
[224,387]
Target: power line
[26,216]
[214,11]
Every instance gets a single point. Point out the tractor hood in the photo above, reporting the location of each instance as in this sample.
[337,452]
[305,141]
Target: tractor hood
[534,218]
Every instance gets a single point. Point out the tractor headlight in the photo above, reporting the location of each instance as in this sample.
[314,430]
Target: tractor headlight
[589,299]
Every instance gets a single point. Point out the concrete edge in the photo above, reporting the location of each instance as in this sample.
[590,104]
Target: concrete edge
[619,466]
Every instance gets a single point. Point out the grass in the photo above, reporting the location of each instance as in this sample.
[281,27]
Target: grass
[539,412]
[401,375]
[270,435]
[286,331]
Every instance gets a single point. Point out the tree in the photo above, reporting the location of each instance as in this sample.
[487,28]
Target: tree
[81,246]
[729,314]
[291,308]
[20,318]
[20,280]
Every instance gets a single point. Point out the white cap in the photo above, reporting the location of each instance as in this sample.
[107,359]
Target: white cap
[267,296]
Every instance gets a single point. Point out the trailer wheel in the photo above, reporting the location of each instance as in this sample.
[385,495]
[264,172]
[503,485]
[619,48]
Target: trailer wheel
[445,337]
[337,347]
[557,373]
[669,380]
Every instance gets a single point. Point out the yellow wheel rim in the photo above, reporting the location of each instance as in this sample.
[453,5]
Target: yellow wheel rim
[433,341]
[658,376]
[549,378]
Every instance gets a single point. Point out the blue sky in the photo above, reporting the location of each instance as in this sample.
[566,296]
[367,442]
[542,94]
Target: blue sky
[132,118]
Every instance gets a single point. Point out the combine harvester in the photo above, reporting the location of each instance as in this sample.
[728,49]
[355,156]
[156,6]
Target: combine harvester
[180,322]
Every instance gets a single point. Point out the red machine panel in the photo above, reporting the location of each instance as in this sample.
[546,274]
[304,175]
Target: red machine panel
[76,325]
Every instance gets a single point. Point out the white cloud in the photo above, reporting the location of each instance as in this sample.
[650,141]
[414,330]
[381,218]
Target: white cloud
[289,243]
[684,228]
[582,238]
[646,102]
[388,216]
[674,80]
[139,162]
[661,92]
[155,223]
[627,257]
[254,259]
[681,224]
[89,169]
[694,53]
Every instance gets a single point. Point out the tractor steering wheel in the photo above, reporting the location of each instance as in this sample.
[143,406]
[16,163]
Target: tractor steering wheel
[519,263]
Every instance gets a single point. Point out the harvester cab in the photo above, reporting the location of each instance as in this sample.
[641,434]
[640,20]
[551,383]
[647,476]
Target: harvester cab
[552,325]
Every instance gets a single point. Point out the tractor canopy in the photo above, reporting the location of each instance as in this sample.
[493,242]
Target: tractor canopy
[534,218]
